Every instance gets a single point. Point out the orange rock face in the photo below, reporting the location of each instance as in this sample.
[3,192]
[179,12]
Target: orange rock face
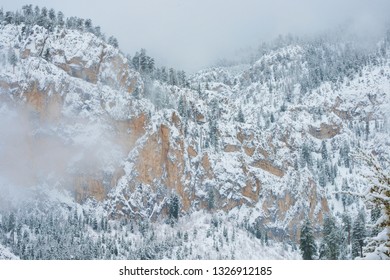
[89,186]
[267,166]
[160,155]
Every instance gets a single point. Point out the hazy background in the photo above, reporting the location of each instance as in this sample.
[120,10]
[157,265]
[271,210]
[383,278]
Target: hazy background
[191,34]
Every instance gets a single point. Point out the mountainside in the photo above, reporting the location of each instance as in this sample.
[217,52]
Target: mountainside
[235,155]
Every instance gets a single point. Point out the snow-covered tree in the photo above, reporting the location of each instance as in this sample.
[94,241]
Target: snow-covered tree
[135,61]
[240,116]
[322,178]
[346,227]
[307,243]
[324,151]
[358,235]
[346,198]
[213,134]
[174,205]
[151,67]
[136,93]
[210,199]
[12,58]
[143,61]
[164,74]
[172,77]
[60,19]
[331,239]
[113,41]
[88,24]
[28,13]
[377,196]
[306,156]
[181,107]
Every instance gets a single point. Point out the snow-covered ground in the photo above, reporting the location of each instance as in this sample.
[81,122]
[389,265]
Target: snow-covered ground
[268,145]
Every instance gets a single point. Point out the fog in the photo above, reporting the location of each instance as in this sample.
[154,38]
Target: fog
[36,152]
[192,34]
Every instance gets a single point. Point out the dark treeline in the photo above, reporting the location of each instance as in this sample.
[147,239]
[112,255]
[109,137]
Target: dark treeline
[51,232]
[49,18]
[42,232]
[145,65]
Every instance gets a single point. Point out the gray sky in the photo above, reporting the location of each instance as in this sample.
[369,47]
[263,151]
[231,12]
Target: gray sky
[190,34]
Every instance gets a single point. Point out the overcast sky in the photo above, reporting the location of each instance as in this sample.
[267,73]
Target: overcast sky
[191,34]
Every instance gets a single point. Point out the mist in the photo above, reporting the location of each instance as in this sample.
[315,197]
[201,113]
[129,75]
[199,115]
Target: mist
[36,152]
[192,34]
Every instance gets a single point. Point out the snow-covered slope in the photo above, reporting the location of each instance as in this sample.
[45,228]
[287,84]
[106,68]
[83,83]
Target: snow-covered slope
[262,146]
[5,254]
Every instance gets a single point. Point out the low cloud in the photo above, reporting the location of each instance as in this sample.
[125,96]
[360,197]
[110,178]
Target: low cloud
[36,152]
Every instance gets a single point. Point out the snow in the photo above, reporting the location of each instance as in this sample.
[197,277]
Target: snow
[90,108]
[5,254]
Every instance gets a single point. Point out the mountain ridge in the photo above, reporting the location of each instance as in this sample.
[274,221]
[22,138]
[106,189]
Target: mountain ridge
[269,144]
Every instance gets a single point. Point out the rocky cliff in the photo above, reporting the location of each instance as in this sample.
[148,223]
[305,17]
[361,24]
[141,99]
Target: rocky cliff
[250,143]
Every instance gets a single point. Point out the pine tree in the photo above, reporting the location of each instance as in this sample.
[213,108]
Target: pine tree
[135,61]
[47,55]
[181,107]
[345,197]
[272,118]
[11,222]
[37,12]
[60,19]
[164,74]
[296,167]
[199,90]
[157,74]
[331,239]
[322,175]
[52,15]
[143,61]
[306,156]
[358,236]
[214,109]
[136,93]
[28,13]
[344,153]
[182,80]
[9,17]
[307,243]
[367,128]
[80,25]
[345,236]
[324,151]
[151,65]
[94,223]
[240,116]
[42,20]
[377,195]
[172,77]
[113,41]
[210,199]
[88,24]
[12,58]
[174,207]
[213,134]
[258,232]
